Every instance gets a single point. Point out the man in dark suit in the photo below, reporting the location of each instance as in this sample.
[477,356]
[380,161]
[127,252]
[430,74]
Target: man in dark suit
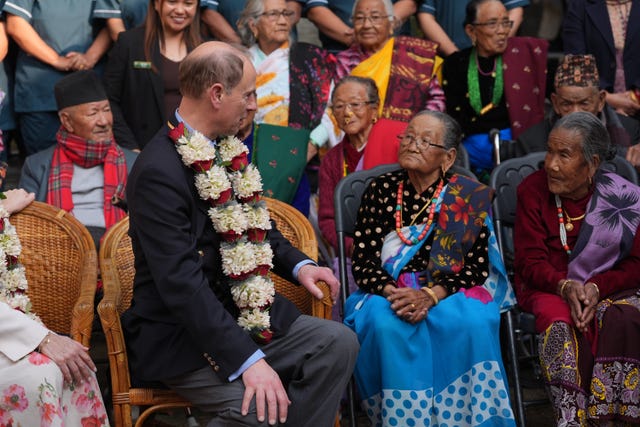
[181,328]
[85,173]
[576,89]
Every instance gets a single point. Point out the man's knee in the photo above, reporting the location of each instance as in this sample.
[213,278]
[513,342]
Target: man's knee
[343,343]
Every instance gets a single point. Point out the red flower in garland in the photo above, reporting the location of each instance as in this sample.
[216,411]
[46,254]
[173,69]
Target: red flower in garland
[223,198]
[176,132]
[202,165]
[240,162]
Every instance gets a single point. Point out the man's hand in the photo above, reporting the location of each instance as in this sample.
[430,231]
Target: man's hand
[623,103]
[310,274]
[633,155]
[261,381]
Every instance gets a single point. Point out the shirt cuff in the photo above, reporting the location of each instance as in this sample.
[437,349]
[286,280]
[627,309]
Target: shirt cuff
[247,364]
[319,136]
[301,264]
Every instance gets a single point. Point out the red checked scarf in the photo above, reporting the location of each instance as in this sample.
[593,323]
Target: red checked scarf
[71,150]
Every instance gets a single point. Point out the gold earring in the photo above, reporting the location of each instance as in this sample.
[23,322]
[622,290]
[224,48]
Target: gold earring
[374,120]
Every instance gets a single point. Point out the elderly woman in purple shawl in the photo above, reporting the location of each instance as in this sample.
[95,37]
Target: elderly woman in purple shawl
[577,257]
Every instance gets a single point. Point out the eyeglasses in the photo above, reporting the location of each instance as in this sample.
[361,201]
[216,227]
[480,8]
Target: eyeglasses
[274,15]
[422,144]
[493,24]
[376,20]
[354,106]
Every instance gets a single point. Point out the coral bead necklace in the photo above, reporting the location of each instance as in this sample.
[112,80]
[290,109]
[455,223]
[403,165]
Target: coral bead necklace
[432,209]
[563,228]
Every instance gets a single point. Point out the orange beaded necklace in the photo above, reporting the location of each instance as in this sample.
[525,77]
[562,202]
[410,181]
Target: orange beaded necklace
[432,209]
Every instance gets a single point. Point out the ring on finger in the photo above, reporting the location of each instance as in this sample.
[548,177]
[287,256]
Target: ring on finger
[413,305]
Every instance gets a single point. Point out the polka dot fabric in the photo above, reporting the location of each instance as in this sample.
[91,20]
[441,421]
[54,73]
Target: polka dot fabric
[456,405]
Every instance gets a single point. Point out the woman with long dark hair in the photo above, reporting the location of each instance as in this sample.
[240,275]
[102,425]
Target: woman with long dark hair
[142,73]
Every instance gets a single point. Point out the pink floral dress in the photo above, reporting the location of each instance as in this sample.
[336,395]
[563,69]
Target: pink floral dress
[33,393]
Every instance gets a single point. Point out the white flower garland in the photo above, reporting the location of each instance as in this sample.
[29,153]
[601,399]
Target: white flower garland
[13,280]
[233,187]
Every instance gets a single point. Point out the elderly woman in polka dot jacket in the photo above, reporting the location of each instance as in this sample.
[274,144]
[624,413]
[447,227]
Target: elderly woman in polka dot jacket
[432,285]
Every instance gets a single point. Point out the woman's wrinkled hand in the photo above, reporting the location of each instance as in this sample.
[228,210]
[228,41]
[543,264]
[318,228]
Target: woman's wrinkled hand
[589,298]
[569,292]
[16,200]
[582,300]
[312,150]
[71,357]
[409,304]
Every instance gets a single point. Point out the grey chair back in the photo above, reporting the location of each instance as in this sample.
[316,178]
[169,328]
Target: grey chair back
[622,167]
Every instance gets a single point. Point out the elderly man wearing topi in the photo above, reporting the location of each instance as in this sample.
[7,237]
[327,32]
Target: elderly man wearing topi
[85,173]
[576,88]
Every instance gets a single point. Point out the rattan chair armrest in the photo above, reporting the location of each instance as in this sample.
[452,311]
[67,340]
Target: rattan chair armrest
[322,308]
[83,311]
[116,348]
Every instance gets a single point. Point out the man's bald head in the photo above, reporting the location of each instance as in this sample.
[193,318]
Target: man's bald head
[208,64]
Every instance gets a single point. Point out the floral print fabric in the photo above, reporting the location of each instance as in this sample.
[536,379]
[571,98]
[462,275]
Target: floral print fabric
[33,393]
[585,387]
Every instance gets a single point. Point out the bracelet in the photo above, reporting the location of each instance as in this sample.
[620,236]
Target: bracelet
[46,340]
[564,283]
[431,294]
[597,289]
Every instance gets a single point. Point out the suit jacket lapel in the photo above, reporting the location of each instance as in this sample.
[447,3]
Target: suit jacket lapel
[633,28]
[156,81]
[598,14]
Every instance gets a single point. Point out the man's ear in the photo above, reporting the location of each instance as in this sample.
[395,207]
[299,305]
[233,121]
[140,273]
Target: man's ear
[66,120]
[602,99]
[554,103]
[216,93]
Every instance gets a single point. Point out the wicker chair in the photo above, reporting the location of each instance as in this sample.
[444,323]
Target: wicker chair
[117,268]
[60,261]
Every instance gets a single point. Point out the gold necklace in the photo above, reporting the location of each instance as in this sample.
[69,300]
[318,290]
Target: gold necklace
[569,225]
[426,205]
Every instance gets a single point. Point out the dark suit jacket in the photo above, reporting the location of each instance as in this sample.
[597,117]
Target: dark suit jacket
[587,29]
[136,93]
[182,316]
[34,176]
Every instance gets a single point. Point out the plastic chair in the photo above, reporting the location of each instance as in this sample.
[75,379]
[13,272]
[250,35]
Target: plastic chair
[117,267]
[505,179]
[622,167]
[462,158]
[60,259]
